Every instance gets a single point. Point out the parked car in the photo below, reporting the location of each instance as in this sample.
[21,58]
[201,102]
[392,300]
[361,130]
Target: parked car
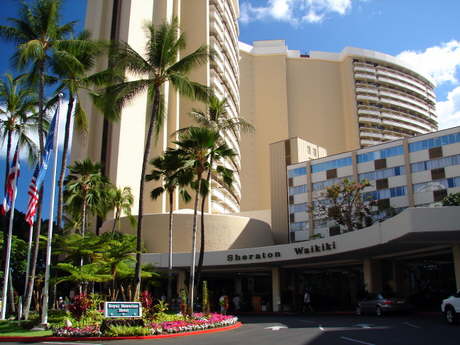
[380,304]
[451,308]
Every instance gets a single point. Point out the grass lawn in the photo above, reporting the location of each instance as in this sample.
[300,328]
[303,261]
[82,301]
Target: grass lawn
[12,329]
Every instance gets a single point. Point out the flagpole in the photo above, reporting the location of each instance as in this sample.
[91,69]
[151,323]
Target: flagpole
[45,292]
[8,243]
[29,250]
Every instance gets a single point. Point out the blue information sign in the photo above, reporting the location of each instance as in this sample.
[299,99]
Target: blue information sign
[123,309]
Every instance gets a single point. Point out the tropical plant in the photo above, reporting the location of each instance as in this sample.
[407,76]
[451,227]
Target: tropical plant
[170,169]
[72,65]
[159,66]
[218,119]
[38,34]
[345,204]
[197,146]
[451,200]
[86,190]
[121,200]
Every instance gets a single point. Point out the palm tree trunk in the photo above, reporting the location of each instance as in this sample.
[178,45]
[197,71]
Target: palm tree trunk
[202,243]
[148,143]
[64,161]
[41,98]
[170,257]
[192,266]
[33,264]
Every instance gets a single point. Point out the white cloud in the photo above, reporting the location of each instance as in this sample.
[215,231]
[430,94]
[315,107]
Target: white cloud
[294,11]
[439,62]
[449,110]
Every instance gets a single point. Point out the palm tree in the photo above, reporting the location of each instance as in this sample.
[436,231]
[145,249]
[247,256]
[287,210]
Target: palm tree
[121,200]
[197,146]
[72,65]
[17,115]
[86,190]
[218,119]
[18,118]
[159,66]
[170,169]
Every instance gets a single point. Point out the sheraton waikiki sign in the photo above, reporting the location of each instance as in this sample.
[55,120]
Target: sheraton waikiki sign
[297,251]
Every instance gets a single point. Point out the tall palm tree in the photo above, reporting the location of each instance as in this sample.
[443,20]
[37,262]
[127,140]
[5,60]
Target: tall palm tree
[197,146]
[120,200]
[72,66]
[170,169]
[160,65]
[86,190]
[18,118]
[218,119]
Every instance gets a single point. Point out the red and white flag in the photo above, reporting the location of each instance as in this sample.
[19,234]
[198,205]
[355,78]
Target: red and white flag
[11,183]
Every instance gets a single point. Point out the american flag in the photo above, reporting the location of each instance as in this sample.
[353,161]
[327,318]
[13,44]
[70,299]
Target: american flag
[39,174]
[33,197]
[11,183]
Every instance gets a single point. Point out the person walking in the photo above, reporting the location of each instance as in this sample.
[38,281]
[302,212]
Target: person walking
[307,302]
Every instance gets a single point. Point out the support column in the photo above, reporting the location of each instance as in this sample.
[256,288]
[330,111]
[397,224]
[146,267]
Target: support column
[276,297]
[238,286]
[456,257]
[181,276]
[372,275]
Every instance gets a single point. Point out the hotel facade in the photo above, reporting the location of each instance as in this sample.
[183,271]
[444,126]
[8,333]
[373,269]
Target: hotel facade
[318,118]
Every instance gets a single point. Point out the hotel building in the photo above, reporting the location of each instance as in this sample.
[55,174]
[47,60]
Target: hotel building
[339,101]
[119,146]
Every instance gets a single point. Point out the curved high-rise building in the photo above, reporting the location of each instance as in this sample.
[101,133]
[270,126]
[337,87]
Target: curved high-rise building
[119,146]
[339,101]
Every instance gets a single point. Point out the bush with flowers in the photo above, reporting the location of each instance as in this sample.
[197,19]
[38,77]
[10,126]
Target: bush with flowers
[89,322]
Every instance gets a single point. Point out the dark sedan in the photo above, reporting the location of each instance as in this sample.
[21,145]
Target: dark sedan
[380,304]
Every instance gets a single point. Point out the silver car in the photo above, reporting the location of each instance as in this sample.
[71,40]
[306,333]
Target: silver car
[380,304]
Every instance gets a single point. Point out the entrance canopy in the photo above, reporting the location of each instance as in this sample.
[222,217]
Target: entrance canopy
[414,230]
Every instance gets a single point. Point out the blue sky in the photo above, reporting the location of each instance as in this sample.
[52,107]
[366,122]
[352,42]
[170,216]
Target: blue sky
[424,33]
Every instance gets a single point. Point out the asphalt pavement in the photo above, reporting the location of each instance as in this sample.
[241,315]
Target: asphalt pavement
[317,330]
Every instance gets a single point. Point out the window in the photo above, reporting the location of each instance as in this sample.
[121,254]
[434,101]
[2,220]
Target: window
[298,208]
[324,184]
[298,189]
[384,173]
[432,186]
[300,226]
[434,142]
[297,172]
[338,163]
[385,193]
[385,153]
[435,164]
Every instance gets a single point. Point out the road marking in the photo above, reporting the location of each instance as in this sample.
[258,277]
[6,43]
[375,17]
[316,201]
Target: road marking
[411,325]
[356,341]
[275,328]
[363,325]
[58,343]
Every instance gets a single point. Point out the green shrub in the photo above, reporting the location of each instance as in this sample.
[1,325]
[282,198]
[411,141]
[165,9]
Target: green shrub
[27,324]
[123,331]
[107,323]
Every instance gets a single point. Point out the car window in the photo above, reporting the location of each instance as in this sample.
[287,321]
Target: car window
[379,296]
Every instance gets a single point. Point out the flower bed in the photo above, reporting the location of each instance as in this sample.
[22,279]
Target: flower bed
[197,322]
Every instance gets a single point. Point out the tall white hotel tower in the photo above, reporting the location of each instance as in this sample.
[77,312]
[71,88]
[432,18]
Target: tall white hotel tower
[119,146]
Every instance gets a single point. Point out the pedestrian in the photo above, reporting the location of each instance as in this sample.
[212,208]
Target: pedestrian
[307,302]
[223,302]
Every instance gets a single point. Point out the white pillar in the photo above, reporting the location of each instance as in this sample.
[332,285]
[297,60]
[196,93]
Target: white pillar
[456,257]
[276,298]
[372,275]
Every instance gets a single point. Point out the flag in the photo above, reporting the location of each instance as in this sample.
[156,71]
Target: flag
[11,183]
[40,173]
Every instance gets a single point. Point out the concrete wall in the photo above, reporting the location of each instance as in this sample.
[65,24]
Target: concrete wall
[222,232]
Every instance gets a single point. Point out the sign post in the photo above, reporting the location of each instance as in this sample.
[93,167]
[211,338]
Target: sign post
[123,309]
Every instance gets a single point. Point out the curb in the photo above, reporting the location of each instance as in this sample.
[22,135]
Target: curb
[169,335]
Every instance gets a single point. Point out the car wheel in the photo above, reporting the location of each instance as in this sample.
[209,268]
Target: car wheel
[358,311]
[379,311]
[450,315]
